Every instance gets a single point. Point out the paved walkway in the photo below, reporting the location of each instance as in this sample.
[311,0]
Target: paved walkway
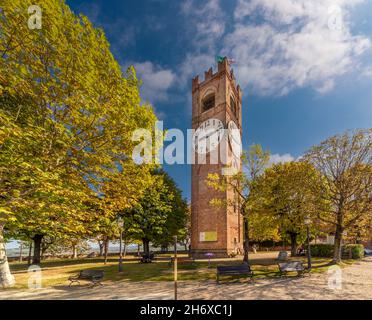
[356,284]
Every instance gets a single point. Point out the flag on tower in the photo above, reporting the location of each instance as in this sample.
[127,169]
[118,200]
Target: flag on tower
[221,58]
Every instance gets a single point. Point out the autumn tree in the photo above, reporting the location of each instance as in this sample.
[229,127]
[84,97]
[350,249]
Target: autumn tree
[177,220]
[254,161]
[67,115]
[287,193]
[160,214]
[344,162]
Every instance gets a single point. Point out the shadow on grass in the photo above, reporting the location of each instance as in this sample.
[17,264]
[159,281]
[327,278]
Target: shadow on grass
[53,263]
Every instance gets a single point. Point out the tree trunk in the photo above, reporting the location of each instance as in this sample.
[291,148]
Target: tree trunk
[6,278]
[44,248]
[74,251]
[293,237]
[337,246]
[246,240]
[20,251]
[100,244]
[29,254]
[124,249]
[106,248]
[146,246]
[38,238]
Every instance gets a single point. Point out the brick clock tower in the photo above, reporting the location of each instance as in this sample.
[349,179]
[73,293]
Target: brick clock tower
[216,112]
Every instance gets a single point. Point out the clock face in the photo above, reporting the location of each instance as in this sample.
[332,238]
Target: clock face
[235,139]
[207,137]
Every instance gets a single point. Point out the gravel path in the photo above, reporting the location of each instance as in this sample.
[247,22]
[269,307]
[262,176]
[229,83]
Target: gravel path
[356,284]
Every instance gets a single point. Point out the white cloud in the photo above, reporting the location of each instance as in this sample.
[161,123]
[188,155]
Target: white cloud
[206,21]
[277,158]
[195,64]
[295,44]
[367,72]
[279,46]
[156,81]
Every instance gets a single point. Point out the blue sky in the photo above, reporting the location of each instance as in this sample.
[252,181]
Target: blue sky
[305,66]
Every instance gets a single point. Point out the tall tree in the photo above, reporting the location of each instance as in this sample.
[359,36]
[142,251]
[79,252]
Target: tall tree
[254,161]
[288,192]
[177,219]
[67,115]
[345,162]
[160,214]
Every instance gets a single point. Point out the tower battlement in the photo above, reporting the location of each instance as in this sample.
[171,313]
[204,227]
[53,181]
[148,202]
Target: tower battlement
[223,68]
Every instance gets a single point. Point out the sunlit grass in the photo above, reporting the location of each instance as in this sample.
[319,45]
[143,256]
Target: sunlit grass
[56,272]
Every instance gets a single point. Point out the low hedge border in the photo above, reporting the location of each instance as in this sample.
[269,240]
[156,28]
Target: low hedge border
[353,251]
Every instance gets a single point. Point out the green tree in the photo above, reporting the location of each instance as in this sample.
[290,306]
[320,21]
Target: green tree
[67,115]
[345,163]
[288,192]
[160,215]
[176,223]
[254,161]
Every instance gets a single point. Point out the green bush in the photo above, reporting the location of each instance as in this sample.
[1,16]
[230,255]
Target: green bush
[322,250]
[357,251]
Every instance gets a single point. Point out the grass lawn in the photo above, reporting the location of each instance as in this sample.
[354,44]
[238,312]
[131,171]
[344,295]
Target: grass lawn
[56,272]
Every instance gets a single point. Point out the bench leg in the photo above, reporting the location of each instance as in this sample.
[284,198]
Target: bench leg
[251,277]
[96,282]
[72,281]
[301,273]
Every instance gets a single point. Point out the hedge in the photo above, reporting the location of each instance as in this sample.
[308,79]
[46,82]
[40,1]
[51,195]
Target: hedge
[326,251]
[322,250]
[357,251]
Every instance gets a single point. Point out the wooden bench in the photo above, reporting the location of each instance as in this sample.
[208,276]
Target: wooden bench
[182,260]
[283,256]
[94,276]
[289,266]
[243,269]
[147,258]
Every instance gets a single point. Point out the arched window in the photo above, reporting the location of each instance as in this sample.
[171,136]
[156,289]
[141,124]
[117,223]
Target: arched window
[208,102]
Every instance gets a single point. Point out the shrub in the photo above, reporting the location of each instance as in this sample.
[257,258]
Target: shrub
[357,251]
[322,250]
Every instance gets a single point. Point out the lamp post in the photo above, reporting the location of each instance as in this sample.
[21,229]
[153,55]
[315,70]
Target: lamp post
[175,267]
[121,225]
[307,222]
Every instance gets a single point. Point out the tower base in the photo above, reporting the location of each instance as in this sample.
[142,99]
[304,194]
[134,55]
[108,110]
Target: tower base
[217,253]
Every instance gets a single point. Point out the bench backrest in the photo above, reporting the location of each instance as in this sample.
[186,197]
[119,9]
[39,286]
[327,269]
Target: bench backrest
[283,255]
[91,273]
[241,268]
[296,265]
